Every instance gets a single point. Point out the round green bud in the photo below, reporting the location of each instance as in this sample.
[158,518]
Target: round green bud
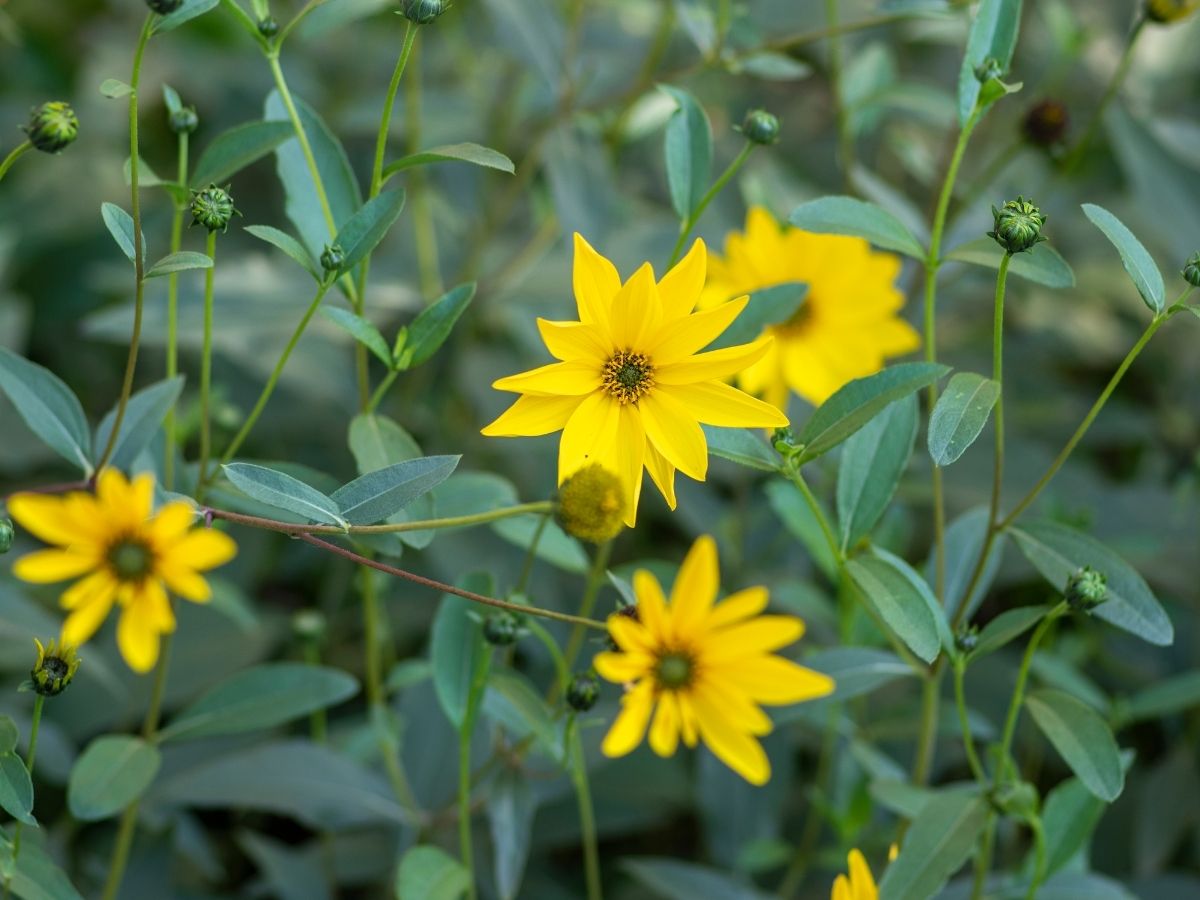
[988,69]
[184,120]
[309,625]
[1019,800]
[422,12]
[1191,271]
[760,127]
[6,535]
[164,7]
[332,258]
[268,27]
[582,692]
[1086,589]
[591,504]
[1046,123]
[784,441]
[1018,225]
[967,639]
[1168,11]
[212,207]
[501,629]
[55,667]
[52,126]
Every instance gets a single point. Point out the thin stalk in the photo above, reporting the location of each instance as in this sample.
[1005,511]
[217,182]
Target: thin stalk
[845,138]
[983,859]
[587,818]
[1073,158]
[18,151]
[693,217]
[481,518]
[206,369]
[247,23]
[960,701]
[30,756]
[317,724]
[835,548]
[927,735]
[591,590]
[382,388]
[276,373]
[296,20]
[125,832]
[139,261]
[173,314]
[1039,857]
[531,554]
[465,731]
[428,265]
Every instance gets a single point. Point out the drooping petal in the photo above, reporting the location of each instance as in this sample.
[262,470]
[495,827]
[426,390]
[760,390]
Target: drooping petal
[557,379]
[776,681]
[760,635]
[137,637]
[575,341]
[679,338]
[596,282]
[202,548]
[636,312]
[716,403]
[662,473]
[695,586]
[605,431]
[86,617]
[48,566]
[675,433]
[680,288]
[630,725]
[737,749]
[739,606]
[664,730]
[714,364]
[532,415]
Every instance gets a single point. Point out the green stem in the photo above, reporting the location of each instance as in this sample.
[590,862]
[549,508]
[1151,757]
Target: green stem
[1073,158]
[540,506]
[927,735]
[591,591]
[30,756]
[983,859]
[206,369]
[125,832]
[465,731]
[587,818]
[318,726]
[296,20]
[139,261]
[428,265]
[276,373]
[845,138]
[531,554]
[693,217]
[382,388]
[793,473]
[1014,706]
[173,316]
[960,701]
[1039,858]
[247,23]
[20,150]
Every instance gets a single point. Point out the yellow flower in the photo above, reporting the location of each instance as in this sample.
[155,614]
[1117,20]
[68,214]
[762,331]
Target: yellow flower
[702,668]
[631,388]
[860,885]
[128,556]
[846,326]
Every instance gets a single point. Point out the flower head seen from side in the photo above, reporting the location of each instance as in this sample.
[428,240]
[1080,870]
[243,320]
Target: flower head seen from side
[122,553]
[859,884]
[700,670]
[632,386]
[848,323]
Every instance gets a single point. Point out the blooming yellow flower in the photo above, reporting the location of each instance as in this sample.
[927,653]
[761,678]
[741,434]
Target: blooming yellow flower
[702,668]
[845,328]
[631,387]
[860,885]
[127,555]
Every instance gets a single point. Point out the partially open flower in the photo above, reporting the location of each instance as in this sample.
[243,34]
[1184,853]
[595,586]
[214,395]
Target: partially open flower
[1169,11]
[52,126]
[55,667]
[591,504]
[1018,225]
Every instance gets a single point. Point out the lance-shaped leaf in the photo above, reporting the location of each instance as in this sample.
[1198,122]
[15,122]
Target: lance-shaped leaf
[48,406]
[688,149]
[846,215]
[1134,257]
[959,416]
[144,413]
[377,495]
[1082,738]
[367,227]
[872,462]
[993,35]
[419,340]
[110,774]
[233,150]
[282,491]
[938,843]
[476,154]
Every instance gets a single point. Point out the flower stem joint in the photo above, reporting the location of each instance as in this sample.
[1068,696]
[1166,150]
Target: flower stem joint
[422,12]
[583,691]
[501,629]
[212,207]
[591,504]
[164,7]
[760,127]
[1018,225]
[1167,12]
[56,666]
[1191,271]
[1086,590]
[52,126]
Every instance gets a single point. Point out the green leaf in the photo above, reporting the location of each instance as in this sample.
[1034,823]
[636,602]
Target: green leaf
[771,66]
[48,407]
[144,413]
[37,877]
[361,330]
[1134,257]
[770,306]
[261,697]
[873,460]
[1082,739]
[858,670]
[902,600]
[513,702]
[373,497]
[1058,552]
[187,11]
[377,442]
[964,543]
[959,415]
[936,845]
[555,547]
[282,491]
[1165,698]
[120,226]
[688,149]
[8,734]
[366,228]
[428,331]
[857,403]
[1069,816]
[179,262]
[510,809]
[1008,626]
[16,788]
[741,446]
[846,215]
[114,88]
[457,649]
[993,34]
[233,150]
[431,874]
[675,880]
[111,773]
[793,510]
[1041,264]
[288,245]
[476,154]
[171,99]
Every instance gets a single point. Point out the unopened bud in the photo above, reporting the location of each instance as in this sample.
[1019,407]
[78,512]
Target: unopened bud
[52,126]
[967,638]
[422,12]
[591,504]
[184,120]
[212,207]
[1086,589]
[582,692]
[1191,271]
[332,258]
[6,535]
[309,625]
[1046,123]
[760,127]
[1018,225]
[268,27]
[988,69]
[501,629]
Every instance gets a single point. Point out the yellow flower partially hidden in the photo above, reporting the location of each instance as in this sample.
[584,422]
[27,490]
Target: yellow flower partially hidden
[848,323]
[860,885]
[124,554]
[632,388]
[703,668]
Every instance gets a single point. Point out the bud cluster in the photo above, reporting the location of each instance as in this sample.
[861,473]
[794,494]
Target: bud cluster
[501,629]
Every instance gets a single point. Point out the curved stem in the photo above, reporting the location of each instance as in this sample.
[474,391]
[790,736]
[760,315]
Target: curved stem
[206,370]
[173,314]
[424,232]
[960,701]
[139,261]
[693,217]
[269,388]
[540,506]
[20,150]
[835,550]
[1039,858]
[1074,157]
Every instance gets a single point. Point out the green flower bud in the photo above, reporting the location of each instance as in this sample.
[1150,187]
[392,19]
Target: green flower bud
[1086,589]
[1046,123]
[1191,271]
[1018,225]
[967,638]
[56,666]
[309,625]
[268,27]
[422,12]
[164,7]
[988,69]
[332,258]
[1168,11]
[1019,800]
[501,629]
[760,127]
[591,504]
[184,120]
[582,692]
[52,126]
[212,207]
[6,535]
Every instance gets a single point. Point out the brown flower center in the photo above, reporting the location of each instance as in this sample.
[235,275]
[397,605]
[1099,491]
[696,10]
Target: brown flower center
[627,376]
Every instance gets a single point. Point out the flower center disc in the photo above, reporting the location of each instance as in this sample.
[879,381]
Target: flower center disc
[130,560]
[627,376]
[674,671]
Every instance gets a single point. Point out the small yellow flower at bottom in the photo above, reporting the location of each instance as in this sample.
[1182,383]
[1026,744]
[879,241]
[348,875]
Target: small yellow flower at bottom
[702,669]
[55,667]
[860,885]
[122,553]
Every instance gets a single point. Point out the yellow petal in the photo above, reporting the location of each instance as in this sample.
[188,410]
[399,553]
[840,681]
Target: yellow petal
[739,606]
[88,589]
[45,517]
[775,681]
[680,338]
[48,566]
[630,725]
[596,282]
[186,582]
[664,731]
[688,723]
[713,365]
[695,586]
[662,473]
[675,433]
[532,415]
[630,635]
[203,548]
[715,403]
[652,607]
[841,889]
[861,879]
[622,667]
[575,340]
[173,521]
[636,311]
[737,708]
[85,618]
[737,749]
[680,288]
[137,638]
[604,431]
[760,635]
[556,379]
